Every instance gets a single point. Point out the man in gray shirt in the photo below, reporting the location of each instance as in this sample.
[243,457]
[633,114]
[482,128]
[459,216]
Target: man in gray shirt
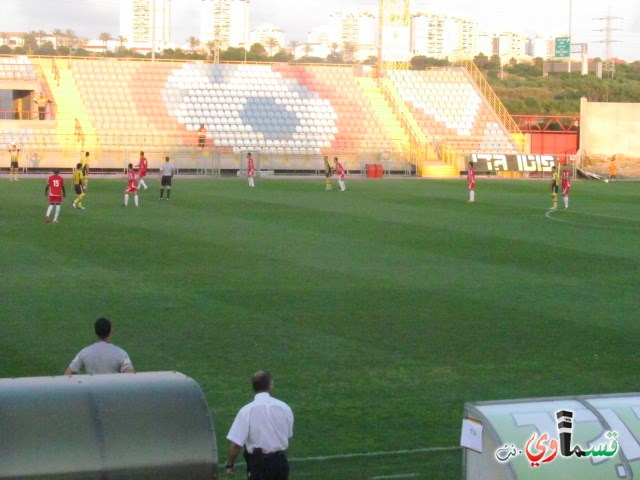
[102,356]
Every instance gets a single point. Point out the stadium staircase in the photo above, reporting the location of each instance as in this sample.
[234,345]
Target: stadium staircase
[383,112]
[74,129]
[456,115]
[426,159]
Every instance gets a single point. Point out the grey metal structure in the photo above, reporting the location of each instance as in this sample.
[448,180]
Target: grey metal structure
[121,426]
[524,438]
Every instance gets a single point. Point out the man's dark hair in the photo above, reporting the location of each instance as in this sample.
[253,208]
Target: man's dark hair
[142,154]
[261,381]
[103,328]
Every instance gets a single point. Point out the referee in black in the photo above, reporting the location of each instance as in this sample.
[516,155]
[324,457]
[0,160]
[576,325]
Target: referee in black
[263,427]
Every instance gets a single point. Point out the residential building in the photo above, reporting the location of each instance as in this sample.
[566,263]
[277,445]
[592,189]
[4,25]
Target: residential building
[226,21]
[511,44]
[485,45]
[540,46]
[318,42]
[443,36]
[354,30]
[146,22]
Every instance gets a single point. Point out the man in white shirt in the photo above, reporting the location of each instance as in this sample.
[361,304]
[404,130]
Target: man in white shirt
[263,427]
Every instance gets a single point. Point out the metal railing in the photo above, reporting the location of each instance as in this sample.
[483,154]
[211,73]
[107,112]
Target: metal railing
[417,149]
[79,133]
[55,71]
[498,107]
[18,114]
[210,162]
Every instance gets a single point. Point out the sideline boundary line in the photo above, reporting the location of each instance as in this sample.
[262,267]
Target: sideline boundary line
[401,475]
[345,456]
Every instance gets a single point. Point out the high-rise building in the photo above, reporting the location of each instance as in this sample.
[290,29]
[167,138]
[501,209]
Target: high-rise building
[485,45]
[318,42]
[353,25]
[442,36]
[226,21]
[146,22]
[539,46]
[320,36]
[354,30]
[511,44]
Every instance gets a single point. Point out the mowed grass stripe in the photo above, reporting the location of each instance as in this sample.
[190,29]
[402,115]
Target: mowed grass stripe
[380,310]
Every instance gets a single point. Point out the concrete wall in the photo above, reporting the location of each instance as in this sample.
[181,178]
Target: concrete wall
[610,128]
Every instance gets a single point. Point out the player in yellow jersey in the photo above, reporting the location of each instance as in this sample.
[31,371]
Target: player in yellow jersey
[14,168]
[555,182]
[328,171]
[85,171]
[78,185]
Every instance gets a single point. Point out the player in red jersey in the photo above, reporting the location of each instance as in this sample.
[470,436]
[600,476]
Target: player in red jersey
[132,186]
[251,169]
[339,169]
[471,182]
[55,191]
[142,170]
[566,185]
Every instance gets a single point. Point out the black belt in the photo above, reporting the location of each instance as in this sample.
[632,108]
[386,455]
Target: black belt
[259,453]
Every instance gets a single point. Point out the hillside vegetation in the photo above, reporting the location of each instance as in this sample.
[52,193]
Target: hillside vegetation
[524,90]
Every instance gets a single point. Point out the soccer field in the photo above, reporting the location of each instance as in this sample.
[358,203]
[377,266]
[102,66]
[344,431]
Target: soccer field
[379,310]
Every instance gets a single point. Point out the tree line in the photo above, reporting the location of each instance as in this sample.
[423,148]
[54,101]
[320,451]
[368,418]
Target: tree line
[67,43]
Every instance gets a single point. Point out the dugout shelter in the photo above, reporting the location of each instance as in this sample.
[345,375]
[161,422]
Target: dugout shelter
[543,437]
[119,426]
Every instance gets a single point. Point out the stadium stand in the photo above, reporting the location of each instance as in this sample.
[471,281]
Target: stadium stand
[17,68]
[288,115]
[21,81]
[449,109]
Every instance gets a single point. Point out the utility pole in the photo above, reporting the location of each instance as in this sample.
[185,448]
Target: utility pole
[609,63]
[153,30]
[570,23]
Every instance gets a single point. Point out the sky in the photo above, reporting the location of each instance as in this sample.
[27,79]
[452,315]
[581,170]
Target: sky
[550,18]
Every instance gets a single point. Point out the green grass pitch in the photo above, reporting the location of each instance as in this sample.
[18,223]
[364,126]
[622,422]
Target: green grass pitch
[380,310]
